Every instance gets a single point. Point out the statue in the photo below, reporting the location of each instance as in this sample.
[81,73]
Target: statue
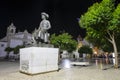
[43,27]
[41,35]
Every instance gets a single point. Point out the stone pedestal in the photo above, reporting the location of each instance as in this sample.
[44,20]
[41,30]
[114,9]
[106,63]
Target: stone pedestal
[34,60]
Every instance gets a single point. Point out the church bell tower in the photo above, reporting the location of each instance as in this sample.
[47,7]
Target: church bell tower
[11,30]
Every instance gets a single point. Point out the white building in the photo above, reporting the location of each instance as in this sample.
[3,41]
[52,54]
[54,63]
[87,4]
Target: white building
[13,39]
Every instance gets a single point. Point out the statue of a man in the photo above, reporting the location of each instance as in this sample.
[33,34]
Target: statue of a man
[43,27]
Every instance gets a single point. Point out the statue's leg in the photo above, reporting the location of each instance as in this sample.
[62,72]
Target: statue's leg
[42,37]
[46,38]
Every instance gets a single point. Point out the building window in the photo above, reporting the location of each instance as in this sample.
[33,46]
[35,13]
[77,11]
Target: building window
[2,45]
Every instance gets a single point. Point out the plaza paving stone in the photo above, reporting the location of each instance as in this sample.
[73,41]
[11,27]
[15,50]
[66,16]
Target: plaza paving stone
[10,71]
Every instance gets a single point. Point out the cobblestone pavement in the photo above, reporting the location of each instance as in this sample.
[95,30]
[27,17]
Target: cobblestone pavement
[10,71]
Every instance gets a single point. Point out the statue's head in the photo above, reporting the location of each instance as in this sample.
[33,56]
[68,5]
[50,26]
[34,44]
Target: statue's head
[44,15]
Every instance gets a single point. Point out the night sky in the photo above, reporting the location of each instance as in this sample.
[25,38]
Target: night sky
[25,14]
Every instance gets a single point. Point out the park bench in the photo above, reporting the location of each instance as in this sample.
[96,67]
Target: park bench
[80,63]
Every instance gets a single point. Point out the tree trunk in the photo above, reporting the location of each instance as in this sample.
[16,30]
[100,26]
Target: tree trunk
[7,56]
[116,53]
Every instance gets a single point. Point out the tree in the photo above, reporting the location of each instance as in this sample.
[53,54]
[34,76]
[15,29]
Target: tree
[102,21]
[16,49]
[8,50]
[95,41]
[85,49]
[63,41]
[101,44]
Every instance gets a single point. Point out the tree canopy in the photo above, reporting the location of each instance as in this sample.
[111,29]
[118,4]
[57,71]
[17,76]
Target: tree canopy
[97,18]
[63,41]
[102,22]
[17,48]
[85,49]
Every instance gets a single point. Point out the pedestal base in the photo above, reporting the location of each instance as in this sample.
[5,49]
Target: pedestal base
[34,60]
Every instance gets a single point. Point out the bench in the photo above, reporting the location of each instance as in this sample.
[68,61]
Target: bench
[80,63]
